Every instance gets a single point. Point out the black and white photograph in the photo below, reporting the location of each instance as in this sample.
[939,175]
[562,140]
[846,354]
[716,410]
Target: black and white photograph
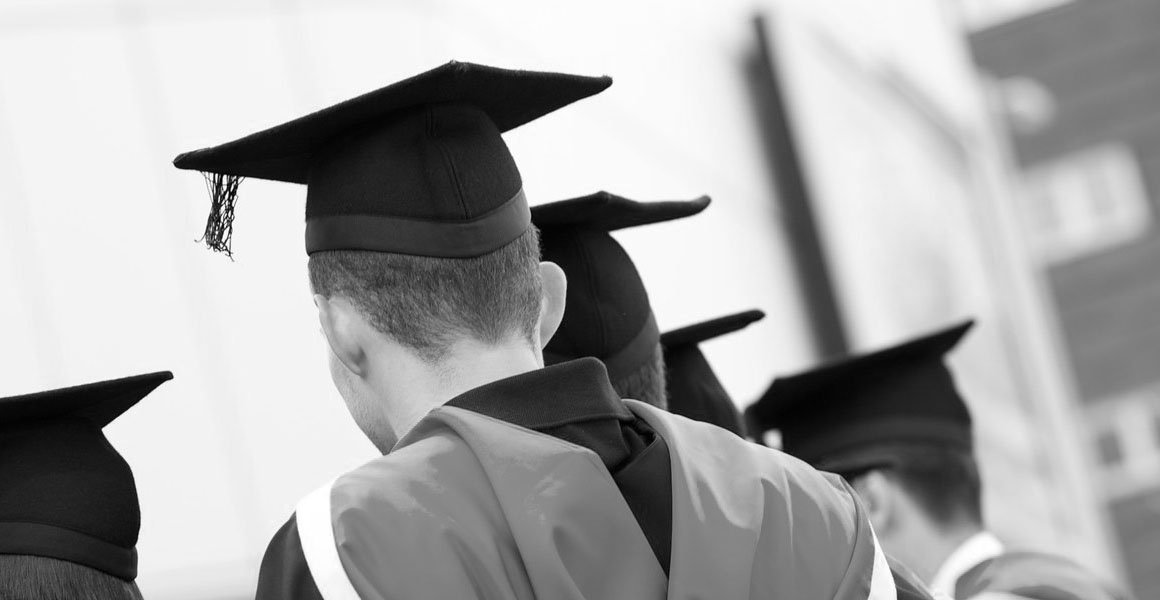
[439,299]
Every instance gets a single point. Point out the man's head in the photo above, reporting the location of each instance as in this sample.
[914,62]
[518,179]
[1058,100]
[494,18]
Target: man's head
[894,422]
[693,388]
[647,382]
[427,304]
[608,312]
[392,316]
[424,261]
[24,577]
[69,513]
[921,498]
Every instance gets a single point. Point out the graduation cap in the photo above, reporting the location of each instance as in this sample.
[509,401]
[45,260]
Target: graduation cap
[607,312]
[417,167]
[846,414]
[693,388]
[65,493]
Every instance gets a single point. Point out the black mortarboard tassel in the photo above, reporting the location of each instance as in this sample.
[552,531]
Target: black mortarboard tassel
[65,492]
[837,416]
[418,167]
[607,312]
[692,387]
[219,227]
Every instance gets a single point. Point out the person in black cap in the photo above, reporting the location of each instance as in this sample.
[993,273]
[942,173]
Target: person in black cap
[607,314]
[501,478]
[69,516]
[693,388]
[894,424]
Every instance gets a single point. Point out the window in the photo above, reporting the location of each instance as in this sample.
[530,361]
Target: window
[1085,202]
[1027,104]
[1126,442]
[1111,454]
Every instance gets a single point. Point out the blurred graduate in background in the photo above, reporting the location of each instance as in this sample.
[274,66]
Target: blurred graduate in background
[893,424]
[607,314]
[69,516]
[693,388]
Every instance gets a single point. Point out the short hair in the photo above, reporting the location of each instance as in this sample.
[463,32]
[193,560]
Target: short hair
[943,481]
[647,382]
[24,577]
[426,303]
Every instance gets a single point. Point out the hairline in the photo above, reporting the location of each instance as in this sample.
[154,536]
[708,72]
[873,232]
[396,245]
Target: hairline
[515,312]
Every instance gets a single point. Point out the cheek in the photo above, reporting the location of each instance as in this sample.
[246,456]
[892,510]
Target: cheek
[337,369]
[343,382]
[361,404]
[359,401]
[342,379]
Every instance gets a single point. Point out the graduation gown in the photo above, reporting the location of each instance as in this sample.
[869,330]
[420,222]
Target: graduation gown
[981,568]
[512,491]
[1034,576]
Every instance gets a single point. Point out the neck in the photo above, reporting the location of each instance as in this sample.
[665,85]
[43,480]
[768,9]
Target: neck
[420,387]
[939,547]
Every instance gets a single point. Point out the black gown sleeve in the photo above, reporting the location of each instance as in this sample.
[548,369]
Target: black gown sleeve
[284,574]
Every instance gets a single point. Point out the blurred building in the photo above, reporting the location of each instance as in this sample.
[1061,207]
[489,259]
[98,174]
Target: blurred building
[1079,85]
[896,183]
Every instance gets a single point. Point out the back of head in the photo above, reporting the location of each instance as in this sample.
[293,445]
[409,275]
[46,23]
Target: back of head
[694,391]
[24,577]
[922,499]
[607,314]
[839,414]
[942,481]
[415,207]
[646,383]
[69,513]
[427,303]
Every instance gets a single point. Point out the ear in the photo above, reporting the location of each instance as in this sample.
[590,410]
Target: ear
[342,326]
[878,493]
[552,303]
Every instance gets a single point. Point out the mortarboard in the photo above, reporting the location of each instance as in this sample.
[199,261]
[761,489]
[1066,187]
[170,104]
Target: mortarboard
[418,167]
[692,387]
[842,415]
[65,493]
[607,312]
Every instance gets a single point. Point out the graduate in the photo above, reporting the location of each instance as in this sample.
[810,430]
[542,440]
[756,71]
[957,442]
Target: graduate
[69,516]
[607,313]
[693,388]
[893,423]
[501,478]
